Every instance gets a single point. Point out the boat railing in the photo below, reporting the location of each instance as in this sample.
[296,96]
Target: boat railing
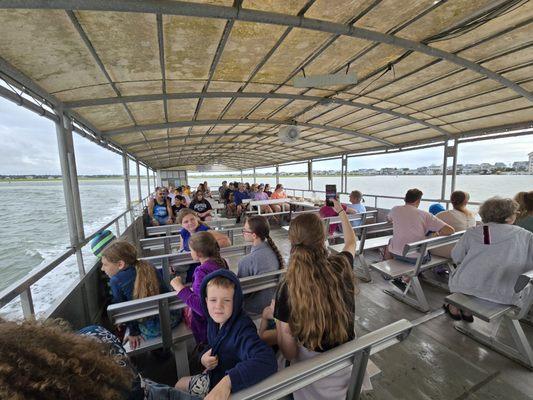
[22,287]
[304,193]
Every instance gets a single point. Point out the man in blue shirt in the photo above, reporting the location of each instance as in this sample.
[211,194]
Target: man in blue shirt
[238,197]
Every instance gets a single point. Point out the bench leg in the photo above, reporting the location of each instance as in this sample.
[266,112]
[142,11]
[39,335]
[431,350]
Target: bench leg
[521,352]
[435,281]
[181,358]
[413,295]
[363,272]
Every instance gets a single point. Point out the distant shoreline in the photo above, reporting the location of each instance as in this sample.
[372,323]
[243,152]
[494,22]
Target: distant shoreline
[226,177]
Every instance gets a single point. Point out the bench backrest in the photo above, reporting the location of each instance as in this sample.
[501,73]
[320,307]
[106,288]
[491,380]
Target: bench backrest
[162,304]
[173,229]
[165,241]
[354,353]
[431,243]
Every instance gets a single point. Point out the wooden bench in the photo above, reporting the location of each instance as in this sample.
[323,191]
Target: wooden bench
[161,305]
[365,243]
[354,354]
[179,262]
[497,315]
[414,293]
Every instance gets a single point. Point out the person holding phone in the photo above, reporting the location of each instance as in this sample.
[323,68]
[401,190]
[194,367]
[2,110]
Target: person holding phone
[328,209]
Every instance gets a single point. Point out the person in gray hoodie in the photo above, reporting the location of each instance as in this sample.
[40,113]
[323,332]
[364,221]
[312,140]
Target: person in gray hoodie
[491,256]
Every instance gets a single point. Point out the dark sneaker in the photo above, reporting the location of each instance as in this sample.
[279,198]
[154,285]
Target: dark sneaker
[399,284]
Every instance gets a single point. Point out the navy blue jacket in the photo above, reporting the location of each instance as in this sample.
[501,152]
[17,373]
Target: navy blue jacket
[241,353]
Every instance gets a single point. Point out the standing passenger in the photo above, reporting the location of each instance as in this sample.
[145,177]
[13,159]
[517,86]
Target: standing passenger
[315,306]
[264,257]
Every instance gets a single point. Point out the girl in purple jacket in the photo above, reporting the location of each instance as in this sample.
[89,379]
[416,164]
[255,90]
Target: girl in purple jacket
[204,248]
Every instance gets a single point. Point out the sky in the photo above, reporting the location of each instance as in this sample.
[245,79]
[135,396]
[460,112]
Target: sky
[29,146]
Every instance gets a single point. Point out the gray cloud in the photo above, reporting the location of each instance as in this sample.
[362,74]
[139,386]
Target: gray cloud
[29,146]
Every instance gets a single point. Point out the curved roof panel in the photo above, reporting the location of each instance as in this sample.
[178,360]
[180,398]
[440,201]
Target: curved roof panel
[173,82]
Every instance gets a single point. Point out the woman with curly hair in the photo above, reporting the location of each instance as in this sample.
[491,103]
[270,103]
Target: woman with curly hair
[315,305]
[44,360]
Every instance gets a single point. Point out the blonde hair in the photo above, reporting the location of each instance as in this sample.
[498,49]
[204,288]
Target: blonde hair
[207,246]
[221,281]
[146,280]
[318,286]
[44,360]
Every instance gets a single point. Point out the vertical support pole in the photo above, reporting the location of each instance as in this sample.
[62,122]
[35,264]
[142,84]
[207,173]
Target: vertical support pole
[255,177]
[148,180]
[126,173]
[309,174]
[277,174]
[139,193]
[444,171]
[242,177]
[454,165]
[67,161]
[344,173]
[155,181]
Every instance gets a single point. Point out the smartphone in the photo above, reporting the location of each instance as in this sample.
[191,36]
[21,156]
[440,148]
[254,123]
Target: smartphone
[331,193]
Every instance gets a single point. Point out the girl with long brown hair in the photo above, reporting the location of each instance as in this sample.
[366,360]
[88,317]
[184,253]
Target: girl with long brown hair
[205,249]
[131,278]
[315,305]
[264,257]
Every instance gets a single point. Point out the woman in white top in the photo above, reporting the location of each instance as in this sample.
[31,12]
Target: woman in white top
[460,218]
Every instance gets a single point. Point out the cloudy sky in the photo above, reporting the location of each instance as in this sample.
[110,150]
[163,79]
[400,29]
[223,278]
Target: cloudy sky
[29,146]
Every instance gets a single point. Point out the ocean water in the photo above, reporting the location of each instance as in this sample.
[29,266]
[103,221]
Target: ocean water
[34,229]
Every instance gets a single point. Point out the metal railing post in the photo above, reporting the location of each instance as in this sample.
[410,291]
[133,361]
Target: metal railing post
[155,180]
[277,174]
[27,304]
[242,177]
[255,177]
[138,171]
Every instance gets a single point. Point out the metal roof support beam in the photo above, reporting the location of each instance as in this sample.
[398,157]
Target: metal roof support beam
[262,95]
[235,121]
[148,181]
[309,174]
[126,174]
[231,13]
[454,167]
[277,174]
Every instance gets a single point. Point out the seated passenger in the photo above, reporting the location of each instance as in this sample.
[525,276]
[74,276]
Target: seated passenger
[191,223]
[267,190]
[238,196]
[179,204]
[436,208]
[131,278]
[159,209]
[207,190]
[45,360]
[491,256]
[315,305]
[279,193]
[204,249]
[236,357]
[264,257]
[253,191]
[201,206]
[356,198]
[222,189]
[328,210]
[409,224]
[261,195]
[460,219]
[525,210]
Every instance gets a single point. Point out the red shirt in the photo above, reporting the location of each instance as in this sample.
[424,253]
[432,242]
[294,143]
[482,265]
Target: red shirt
[327,211]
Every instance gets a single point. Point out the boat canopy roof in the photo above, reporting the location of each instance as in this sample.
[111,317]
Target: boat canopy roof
[176,84]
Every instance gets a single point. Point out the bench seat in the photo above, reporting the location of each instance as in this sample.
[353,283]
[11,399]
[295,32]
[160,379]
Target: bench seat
[483,309]
[396,268]
[370,244]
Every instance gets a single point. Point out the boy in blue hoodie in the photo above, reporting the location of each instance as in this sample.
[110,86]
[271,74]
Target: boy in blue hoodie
[236,357]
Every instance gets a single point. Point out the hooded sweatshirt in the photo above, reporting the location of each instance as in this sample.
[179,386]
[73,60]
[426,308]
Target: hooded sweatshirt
[241,353]
[191,296]
[491,257]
